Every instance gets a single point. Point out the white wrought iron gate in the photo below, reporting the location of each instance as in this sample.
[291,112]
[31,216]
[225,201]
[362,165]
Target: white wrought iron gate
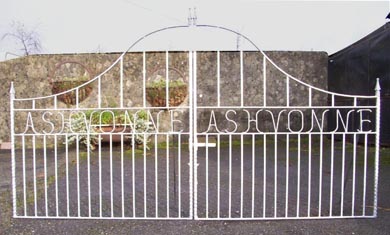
[267,159]
[217,154]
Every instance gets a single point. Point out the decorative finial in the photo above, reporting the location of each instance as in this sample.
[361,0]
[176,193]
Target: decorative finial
[192,17]
[195,18]
[12,90]
[189,17]
[377,86]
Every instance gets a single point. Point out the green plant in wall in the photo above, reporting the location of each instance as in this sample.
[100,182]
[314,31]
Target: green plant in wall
[156,93]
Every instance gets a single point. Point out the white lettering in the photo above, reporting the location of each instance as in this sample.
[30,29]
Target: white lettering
[231,121]
[48,122]
[289,120]
[29,123]
[363,120]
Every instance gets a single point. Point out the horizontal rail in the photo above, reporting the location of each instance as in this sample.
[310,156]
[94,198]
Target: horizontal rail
[203,107]
[199,218]
[103,109]
[112,218]
[285,133]
[103,133]
[285,107]
[290,218]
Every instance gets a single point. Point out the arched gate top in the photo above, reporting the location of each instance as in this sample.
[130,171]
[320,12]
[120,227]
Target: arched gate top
[214,27]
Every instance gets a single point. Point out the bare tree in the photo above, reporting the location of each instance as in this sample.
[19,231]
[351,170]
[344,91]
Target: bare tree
[28,40]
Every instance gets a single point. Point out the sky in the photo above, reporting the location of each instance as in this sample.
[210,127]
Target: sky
[84,26]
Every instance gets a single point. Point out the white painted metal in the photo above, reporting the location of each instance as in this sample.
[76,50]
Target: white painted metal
[192,138]
[377,143]
[195,137]
[12,130]
[252,182]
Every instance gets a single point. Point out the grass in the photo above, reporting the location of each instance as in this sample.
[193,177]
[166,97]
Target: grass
[385,156]
[5,208]
[30,199]
[163,145]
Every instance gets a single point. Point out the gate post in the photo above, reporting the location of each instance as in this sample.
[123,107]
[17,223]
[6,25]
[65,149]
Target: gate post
[377,142]
[12,130]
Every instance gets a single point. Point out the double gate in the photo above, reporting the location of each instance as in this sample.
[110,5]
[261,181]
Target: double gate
[219,153]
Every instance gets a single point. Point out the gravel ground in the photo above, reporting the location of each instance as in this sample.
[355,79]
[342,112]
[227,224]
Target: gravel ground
[9,225]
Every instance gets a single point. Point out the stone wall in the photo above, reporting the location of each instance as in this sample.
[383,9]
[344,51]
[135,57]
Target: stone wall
[32,77]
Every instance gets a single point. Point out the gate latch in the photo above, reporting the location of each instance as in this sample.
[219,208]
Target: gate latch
[209,145]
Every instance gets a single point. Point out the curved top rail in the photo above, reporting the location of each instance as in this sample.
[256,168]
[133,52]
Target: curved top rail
[201,26]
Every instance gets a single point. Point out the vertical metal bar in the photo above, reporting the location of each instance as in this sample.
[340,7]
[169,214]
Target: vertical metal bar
[377,143]
[276,175]
[192,132]
[144,78]
[121,82]
[195,134]
[24,177]
[264,81]
[156,173]
[242,77]
[35,176]
[111,179]
[288,90]
[133,170]
[145,201]
[55,102]
[309,178]
[242,176]
[332,100]
[207,176]
[78,174]
[56,171]
[320,178]
[264,173]
[179,172]
[218,176]
[342,177]
[167,78]
[66,172]
[100,177]
[287,172]
[77,98]
[365,175]
[99,92]
[13,163]
[353,175]
[167,170]
[218,79]
[122,178]
[299,174]
[253,175]
[89,174]
[331,175]
[45,171]
[230,175]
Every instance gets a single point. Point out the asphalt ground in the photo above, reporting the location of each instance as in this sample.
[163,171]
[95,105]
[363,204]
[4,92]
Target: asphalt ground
[9,225]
